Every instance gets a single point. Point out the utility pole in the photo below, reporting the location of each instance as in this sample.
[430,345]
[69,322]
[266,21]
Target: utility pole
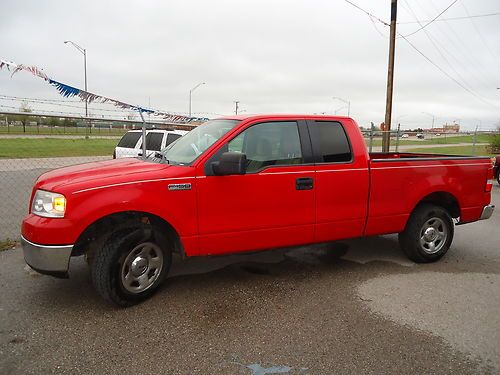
[236,102]
[386,137]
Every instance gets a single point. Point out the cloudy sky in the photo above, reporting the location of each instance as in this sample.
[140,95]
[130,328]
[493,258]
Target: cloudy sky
[273,56]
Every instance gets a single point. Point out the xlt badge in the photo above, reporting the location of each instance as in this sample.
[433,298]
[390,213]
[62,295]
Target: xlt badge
[179,186]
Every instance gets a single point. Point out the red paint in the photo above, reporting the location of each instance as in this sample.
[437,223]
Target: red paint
[227,214]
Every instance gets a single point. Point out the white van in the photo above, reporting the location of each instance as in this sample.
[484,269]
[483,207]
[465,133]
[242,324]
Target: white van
[130,146]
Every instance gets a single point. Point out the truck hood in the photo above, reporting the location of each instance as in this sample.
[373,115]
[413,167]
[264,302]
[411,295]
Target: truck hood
[98,173]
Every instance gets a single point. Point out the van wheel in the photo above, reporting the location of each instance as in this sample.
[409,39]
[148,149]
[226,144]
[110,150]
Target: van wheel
[131,265]
[428,234]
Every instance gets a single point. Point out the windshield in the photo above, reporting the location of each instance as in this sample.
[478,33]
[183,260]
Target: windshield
[187,148]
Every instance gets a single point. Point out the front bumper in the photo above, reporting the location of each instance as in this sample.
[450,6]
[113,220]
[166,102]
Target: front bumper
[487,212]
[47,259]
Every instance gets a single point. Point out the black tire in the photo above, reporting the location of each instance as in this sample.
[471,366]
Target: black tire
[108,265]
[428,234]
[498,176]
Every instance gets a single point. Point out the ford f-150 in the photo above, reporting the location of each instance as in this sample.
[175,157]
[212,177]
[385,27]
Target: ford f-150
[246,183]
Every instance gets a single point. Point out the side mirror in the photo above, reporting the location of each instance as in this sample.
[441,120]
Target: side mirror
[230,163]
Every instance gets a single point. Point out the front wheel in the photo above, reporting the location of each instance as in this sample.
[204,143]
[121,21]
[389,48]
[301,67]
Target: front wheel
[131,265]
[428,234]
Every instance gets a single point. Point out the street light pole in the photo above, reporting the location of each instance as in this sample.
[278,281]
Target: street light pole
[84,52]
[346,102]
[433,118]
[338,109]
[190,94]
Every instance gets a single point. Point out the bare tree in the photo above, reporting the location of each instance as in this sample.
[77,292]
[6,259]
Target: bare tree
[24,118]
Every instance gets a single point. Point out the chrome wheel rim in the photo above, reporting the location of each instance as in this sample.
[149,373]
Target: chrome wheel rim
[433,235]
[142,267]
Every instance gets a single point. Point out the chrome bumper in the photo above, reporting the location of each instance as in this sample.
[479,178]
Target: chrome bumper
[487,212]
[47,259]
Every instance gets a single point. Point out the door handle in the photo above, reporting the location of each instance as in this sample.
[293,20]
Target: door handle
[304,183]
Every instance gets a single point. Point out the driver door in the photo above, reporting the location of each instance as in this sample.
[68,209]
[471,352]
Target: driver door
[272,204]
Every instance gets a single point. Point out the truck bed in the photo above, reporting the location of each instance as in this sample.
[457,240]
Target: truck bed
[398,181]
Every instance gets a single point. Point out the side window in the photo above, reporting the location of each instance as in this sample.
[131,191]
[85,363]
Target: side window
[270,143]
[172,137]
[129,140]
[334,145]
[153,141]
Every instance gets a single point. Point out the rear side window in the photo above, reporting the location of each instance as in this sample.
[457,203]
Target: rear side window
[129,140]
[153,141]
[172,137]
[334,145]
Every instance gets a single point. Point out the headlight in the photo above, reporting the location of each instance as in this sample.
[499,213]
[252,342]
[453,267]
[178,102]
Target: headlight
[48,204]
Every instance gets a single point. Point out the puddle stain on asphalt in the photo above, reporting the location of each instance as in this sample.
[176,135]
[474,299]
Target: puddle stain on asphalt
[257,369]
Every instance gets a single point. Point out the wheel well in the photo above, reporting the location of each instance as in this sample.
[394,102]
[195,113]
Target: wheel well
[445,200]
[94,236]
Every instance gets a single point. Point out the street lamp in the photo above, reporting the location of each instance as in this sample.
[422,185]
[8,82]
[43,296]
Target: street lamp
[433,118]
[84,52]
[338,109]
[346,102]
[190,92]
[397,120]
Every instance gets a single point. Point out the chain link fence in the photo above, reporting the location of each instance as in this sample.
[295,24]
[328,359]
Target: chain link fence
[33,144]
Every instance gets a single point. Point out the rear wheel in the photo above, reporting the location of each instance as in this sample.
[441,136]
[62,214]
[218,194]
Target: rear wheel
[131,265]
[428,234]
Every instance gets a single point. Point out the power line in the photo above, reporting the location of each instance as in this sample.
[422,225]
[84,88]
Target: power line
[376,28]
[445,73]
[439,48]
[431,21]
[478,32]
[367,13]
[466,62]
[425,57]
[452,18]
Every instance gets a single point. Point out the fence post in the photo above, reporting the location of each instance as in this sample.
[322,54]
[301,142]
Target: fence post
[371,137]
[474,142]
[144,156]
[397,138]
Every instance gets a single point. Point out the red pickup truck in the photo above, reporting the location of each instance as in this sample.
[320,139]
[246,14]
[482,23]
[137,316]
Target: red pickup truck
[246,183]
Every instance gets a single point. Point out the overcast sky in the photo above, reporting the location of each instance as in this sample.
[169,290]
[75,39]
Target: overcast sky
[273,56]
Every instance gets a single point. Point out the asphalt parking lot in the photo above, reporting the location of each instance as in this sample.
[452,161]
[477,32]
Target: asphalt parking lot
[349,308]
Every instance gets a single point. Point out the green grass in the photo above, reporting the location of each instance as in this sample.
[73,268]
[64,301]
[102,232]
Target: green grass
[7,244]
[453,150]
[52,147]
[18,130]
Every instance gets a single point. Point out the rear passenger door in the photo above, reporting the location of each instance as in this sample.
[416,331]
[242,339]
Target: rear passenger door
[341,183]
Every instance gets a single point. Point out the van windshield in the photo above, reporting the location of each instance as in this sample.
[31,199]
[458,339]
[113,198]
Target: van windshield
[186,149]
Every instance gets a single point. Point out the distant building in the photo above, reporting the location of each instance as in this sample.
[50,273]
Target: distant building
[447,128]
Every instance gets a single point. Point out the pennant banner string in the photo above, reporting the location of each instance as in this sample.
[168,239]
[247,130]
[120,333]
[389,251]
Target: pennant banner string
[68,91]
